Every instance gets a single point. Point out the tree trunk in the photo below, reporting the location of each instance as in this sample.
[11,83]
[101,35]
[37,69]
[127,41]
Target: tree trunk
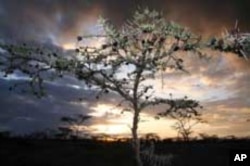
[136,141]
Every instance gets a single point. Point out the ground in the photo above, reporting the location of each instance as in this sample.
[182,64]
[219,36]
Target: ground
[27,152]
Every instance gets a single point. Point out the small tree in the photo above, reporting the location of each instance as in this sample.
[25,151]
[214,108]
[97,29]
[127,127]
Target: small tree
[184,128]
[74,124]
[184,124]
[64,133]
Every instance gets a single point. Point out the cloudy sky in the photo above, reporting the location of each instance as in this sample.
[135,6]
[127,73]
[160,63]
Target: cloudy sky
[221,85]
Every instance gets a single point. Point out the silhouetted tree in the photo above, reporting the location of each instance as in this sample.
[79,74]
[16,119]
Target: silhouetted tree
[64,133]
[130,57]
[185,122]
[75,124]
[38,135]
[211,138]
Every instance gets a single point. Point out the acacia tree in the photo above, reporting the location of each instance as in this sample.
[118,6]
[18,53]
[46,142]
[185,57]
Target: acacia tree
[129,58]
[184,124]
[184,127]
[74,124]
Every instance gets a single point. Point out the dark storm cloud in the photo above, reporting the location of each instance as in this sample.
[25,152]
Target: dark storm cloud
[202,16]
[210,16]
[49,21]
[40,20]
[22,113]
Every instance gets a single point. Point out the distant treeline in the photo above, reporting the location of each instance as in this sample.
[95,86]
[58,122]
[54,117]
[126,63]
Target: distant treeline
[52,135]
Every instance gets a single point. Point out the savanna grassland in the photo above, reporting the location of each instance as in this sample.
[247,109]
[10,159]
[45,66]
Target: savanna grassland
[53,152]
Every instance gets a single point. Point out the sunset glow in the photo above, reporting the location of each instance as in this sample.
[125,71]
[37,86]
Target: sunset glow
[118,123]
[220,83]
[69,46]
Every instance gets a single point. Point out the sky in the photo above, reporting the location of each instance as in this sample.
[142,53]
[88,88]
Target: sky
[221,85]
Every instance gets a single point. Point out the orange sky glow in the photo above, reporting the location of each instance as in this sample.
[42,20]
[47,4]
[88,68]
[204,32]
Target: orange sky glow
[220,84]
[201,85]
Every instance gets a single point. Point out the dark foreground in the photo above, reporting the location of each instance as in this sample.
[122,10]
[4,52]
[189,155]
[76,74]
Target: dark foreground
[23,152]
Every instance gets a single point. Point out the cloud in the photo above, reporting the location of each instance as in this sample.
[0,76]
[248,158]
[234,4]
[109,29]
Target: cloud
[45,21]
[25,113]
[221,84]
[60,21]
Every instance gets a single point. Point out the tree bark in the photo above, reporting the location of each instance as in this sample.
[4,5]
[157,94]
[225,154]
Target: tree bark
[136,141]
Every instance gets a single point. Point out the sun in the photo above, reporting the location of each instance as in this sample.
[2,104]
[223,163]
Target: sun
[69,46]
[116,122]
[111,129]
[110,120]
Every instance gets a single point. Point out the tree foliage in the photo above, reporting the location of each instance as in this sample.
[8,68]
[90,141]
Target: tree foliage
[37,64]
[233,41]
[133,54]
